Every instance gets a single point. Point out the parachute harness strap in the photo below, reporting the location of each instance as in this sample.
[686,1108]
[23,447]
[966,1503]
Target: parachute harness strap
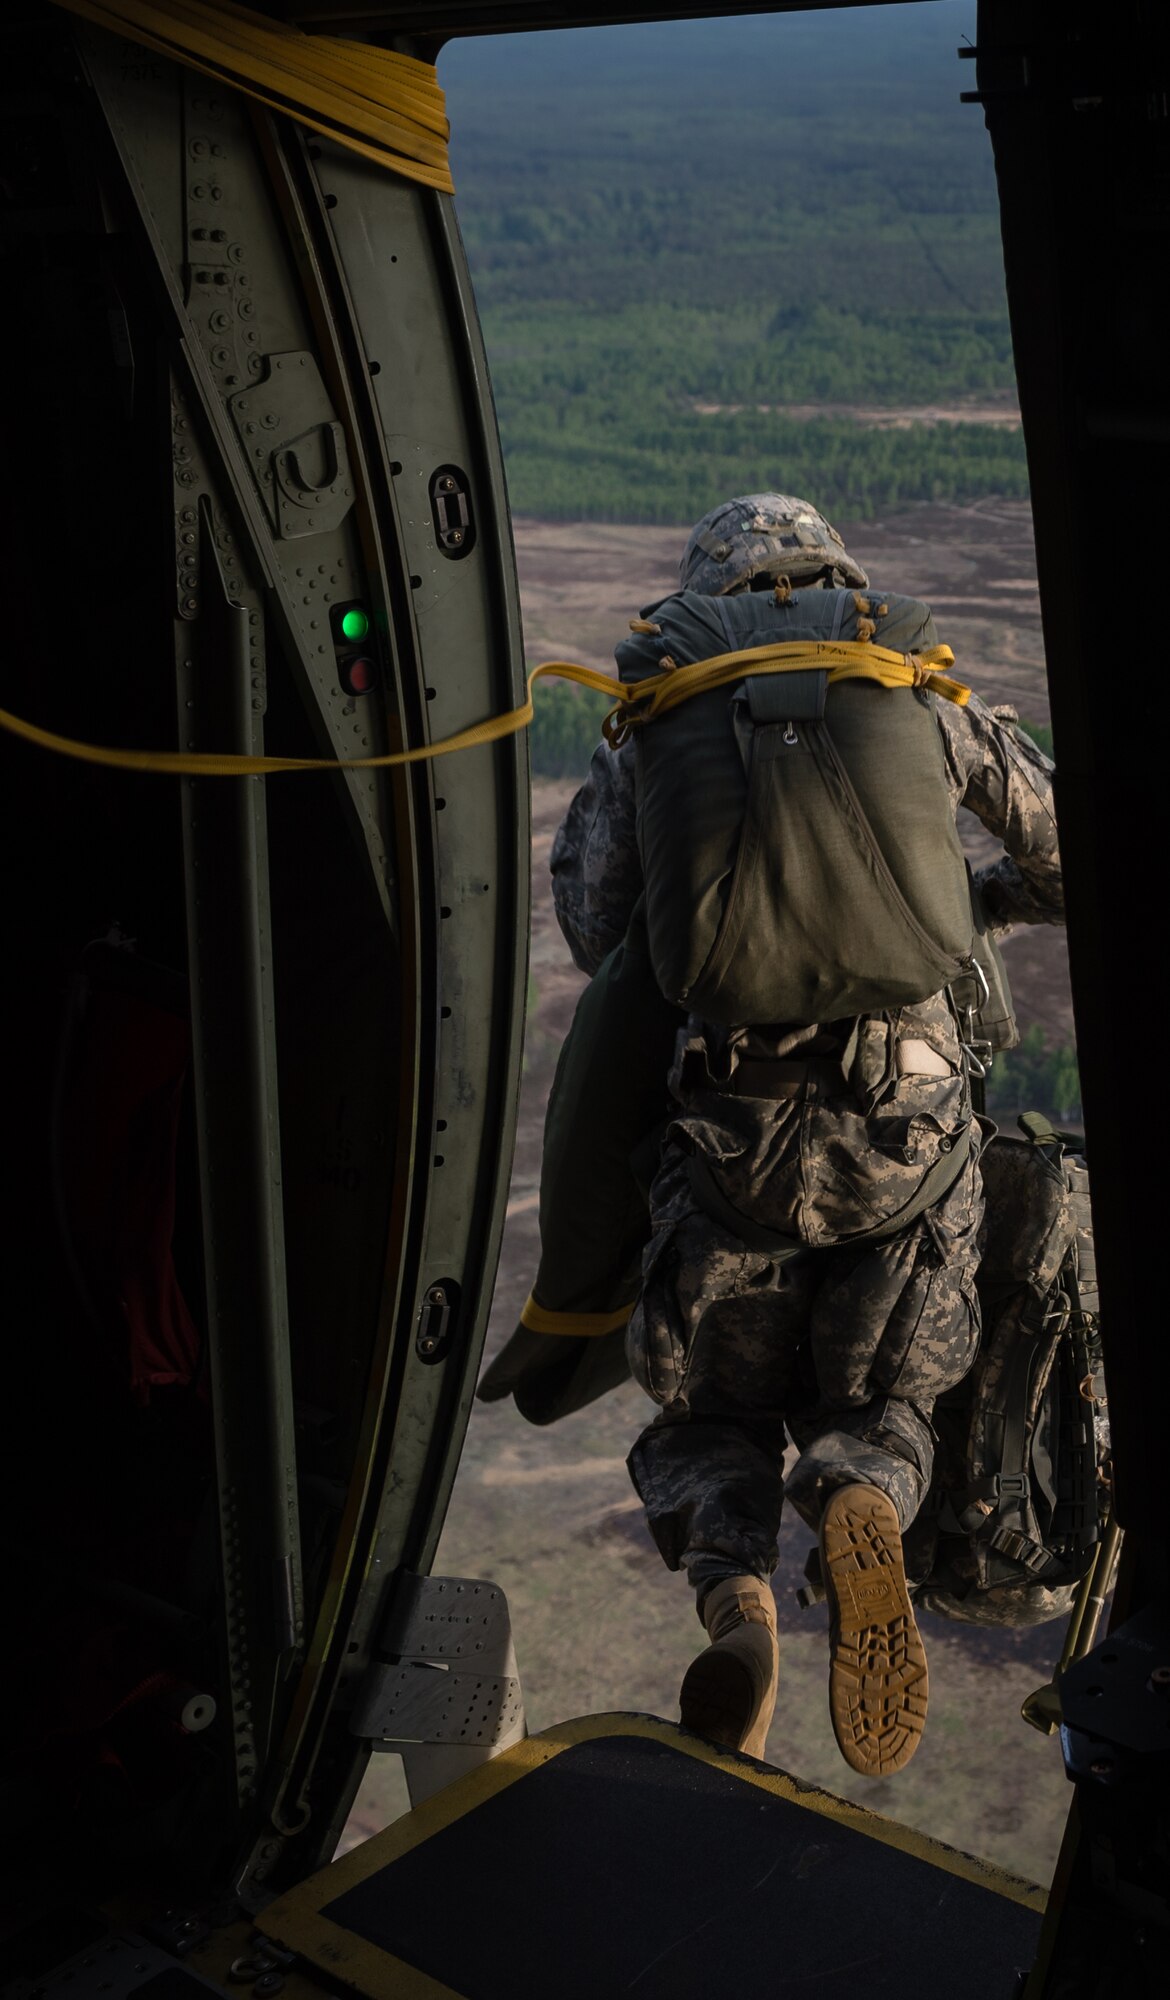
[641,701]
[385,106]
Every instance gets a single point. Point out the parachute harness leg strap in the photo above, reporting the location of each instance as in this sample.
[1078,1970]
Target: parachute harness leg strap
[641,701]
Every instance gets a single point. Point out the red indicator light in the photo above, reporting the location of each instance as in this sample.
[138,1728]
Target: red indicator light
[359,675]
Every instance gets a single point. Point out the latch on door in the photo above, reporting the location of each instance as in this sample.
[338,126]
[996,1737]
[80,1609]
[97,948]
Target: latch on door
[451,511]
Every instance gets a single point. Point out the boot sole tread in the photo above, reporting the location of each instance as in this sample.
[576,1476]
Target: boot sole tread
[878,1682]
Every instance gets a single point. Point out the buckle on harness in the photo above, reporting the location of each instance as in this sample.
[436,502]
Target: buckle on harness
[975,1511]
[977,1053]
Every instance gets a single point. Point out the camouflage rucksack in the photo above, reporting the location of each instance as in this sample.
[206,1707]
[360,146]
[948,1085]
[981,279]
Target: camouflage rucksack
[798,844]
[1014,1510]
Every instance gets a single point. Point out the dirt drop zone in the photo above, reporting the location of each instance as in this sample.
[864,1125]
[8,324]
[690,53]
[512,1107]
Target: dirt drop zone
[550,1514]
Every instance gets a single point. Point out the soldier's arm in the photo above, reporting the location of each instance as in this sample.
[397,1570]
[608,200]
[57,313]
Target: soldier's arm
[1006,780]
[596,868]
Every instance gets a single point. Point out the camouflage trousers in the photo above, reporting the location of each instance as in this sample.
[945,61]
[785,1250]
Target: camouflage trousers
[841,1349]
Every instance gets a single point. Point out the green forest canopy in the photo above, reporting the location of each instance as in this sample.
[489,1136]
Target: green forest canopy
[678,231]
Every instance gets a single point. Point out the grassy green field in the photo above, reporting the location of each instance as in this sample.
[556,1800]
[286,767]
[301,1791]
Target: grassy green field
[681,231]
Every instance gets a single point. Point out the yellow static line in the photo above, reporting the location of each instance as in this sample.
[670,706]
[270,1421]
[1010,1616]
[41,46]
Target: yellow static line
[842,659]
[847,660]
[387,107]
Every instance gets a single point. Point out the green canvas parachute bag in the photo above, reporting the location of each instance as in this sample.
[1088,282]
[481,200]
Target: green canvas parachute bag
[606,1108]
[798,846]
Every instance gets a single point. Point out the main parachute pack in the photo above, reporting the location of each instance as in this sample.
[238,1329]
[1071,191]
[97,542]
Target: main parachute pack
[798,845]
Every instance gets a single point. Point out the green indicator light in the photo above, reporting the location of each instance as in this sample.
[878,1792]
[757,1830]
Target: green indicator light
[355,623]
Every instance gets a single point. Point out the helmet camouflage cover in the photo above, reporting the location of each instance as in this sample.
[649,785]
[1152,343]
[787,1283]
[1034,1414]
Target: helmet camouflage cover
[763,534]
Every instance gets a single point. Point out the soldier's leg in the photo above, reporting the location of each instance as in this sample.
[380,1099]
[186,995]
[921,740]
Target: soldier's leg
[713,1340]
[890,1328]
[887,1443]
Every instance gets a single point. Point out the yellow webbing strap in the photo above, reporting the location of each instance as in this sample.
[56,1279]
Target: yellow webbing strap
[844,659]
[210,764]
[850,660]
[538,1319]
[387,107]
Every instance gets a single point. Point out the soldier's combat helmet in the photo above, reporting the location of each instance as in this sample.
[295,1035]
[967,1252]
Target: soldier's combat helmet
[764,534]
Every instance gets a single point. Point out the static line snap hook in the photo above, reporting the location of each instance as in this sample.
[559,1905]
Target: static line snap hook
[789,735]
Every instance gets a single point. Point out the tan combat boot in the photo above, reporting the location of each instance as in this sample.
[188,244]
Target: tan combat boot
[877,1667]
[729,1692]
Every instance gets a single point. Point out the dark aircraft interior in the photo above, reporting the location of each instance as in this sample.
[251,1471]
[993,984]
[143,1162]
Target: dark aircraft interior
[264,1044]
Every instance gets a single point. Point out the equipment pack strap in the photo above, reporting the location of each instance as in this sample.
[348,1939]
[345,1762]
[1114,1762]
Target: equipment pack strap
[852,661]
[755,1235]
[1033,1556]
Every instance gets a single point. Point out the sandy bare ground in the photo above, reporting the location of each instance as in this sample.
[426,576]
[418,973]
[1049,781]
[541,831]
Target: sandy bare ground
[1001,415]
[975,565]
[549,1514]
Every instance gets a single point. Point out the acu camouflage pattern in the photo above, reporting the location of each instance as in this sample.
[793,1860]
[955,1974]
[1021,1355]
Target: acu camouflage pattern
[847,1153]
[1018,1604]
[764,534]
[846,1349]
[728,1339]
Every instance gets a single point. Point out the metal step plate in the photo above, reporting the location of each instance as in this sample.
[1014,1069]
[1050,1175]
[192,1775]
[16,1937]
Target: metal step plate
[617,1853]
